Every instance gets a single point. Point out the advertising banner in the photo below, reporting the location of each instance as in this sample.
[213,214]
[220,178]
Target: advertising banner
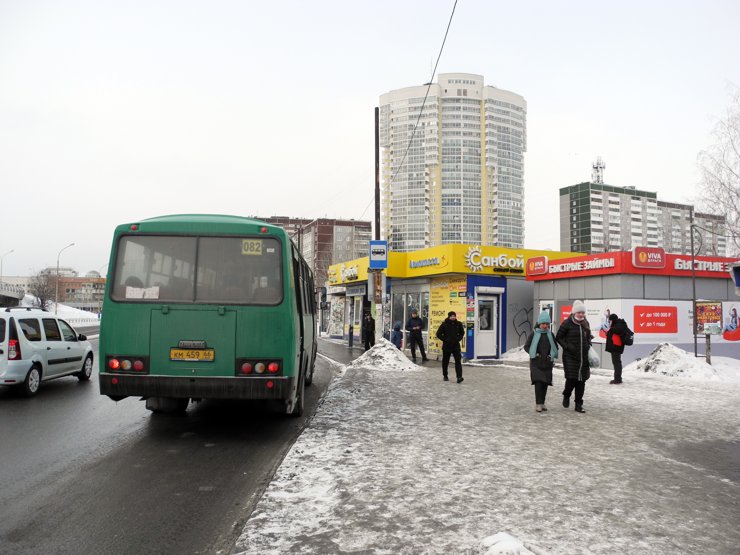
[708,318]
[445,294]
[655,319]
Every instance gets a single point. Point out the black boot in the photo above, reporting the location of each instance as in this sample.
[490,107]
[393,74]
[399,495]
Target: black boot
[566,401]
[579,408]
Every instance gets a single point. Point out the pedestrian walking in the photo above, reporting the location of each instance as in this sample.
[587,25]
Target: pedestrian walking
[574,336]
[542,351]
[397,335]
[414,326]
[450,333]
[616,339]
[368,330]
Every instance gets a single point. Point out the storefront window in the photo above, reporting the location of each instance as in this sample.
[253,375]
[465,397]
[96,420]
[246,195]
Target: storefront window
[413,302]
[397,310]
[425,309]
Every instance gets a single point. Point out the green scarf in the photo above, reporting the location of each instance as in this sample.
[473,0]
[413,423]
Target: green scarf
[536,341]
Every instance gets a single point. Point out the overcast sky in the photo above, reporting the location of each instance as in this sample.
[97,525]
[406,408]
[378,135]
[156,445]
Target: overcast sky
[112,111]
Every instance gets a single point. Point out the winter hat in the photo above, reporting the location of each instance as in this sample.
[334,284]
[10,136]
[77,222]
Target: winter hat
[613,317]
[578,306]
[451,313]
[544,318]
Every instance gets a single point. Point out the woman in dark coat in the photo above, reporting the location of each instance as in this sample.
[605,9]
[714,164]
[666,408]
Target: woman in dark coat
[543,351]
[574,336]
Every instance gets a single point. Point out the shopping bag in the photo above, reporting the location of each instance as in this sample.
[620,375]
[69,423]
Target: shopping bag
[593,358]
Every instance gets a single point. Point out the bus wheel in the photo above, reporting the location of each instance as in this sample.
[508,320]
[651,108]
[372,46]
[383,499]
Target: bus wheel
[309,376]
[297,409]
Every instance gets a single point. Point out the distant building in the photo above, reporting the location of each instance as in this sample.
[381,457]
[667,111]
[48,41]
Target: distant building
[595,218]
[84,293]
[326,241]
[460,179]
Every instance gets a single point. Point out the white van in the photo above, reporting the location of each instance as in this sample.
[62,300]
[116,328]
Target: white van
[36,346]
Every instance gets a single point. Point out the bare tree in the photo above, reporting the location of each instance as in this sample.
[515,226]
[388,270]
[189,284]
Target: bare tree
[720,167]
[42,286]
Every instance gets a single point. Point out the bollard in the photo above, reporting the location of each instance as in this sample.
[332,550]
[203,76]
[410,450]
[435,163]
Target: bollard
[351,334]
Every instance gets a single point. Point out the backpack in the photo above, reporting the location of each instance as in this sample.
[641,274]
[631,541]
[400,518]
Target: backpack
[629,336]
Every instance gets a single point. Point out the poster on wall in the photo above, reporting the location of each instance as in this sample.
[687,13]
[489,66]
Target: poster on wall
[336,317]
[655,321]
[730,327]
[597,314]
[708,318]
[445,294]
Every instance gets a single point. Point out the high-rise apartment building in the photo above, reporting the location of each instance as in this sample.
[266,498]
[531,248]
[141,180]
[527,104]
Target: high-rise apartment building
[458,175]
[326,241]
[595,217]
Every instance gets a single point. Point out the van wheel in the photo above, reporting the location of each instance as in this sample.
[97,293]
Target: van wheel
[84,374]
[300,394]
[31,384]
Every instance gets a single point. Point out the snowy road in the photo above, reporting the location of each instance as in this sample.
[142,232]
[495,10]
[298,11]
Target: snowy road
[398,461]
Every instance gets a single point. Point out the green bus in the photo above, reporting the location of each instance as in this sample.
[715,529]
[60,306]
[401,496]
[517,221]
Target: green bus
[207,307]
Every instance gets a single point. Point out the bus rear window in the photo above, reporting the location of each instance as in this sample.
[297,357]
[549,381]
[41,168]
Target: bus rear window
[230,270]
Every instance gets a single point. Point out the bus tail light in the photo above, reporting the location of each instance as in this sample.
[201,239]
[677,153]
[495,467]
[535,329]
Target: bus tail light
[258,367]
[14,350]
[128,364]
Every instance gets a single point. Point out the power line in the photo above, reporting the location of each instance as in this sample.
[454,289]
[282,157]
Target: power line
[426,95]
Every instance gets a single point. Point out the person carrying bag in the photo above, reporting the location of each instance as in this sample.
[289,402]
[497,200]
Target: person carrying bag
[543,351]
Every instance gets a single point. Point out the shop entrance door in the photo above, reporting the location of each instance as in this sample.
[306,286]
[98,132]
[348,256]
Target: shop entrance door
[486,326]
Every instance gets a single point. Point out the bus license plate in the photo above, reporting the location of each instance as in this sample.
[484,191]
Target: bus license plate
[192,354]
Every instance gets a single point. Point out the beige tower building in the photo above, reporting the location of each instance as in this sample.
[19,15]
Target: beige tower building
[461,178]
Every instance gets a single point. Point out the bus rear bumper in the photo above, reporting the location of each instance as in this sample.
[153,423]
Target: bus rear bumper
[253,387]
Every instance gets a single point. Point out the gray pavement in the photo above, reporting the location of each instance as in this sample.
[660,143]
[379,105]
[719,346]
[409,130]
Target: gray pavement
[402,462]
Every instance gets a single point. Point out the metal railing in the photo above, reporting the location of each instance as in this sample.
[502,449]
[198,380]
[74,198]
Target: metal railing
[9,290]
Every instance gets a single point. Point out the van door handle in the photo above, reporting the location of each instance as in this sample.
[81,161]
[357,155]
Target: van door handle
[48,348]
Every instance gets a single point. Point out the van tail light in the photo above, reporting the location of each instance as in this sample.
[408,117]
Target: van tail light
[14,350]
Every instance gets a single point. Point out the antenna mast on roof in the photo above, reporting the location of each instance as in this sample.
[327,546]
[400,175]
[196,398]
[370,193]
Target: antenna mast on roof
[597,175]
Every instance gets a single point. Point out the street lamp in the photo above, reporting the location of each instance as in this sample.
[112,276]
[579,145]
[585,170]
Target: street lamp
[56,292]
[1,263]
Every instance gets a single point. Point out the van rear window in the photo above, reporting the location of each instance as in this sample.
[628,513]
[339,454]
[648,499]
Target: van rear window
[31,328]
[2,331]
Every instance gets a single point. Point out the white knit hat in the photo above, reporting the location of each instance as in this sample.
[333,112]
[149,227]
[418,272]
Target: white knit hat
[578,306]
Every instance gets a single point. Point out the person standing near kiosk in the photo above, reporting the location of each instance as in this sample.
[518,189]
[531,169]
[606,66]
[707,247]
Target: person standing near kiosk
[414,326]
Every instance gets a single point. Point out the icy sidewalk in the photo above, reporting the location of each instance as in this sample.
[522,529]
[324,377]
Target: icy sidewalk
[398,461]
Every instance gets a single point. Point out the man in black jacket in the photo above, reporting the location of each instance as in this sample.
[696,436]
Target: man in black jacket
[450,333]
[368,330]
[414,326]
[615,339]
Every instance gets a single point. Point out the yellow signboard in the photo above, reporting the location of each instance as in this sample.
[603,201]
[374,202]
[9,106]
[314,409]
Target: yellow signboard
[445,294]
[446,259]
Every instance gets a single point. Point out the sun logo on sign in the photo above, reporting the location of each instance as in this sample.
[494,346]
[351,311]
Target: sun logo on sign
[643,257]
[472,259]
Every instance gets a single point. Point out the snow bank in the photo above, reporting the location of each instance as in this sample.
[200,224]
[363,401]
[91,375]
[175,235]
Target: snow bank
[74,316]
[517,354]
[506,544]
[384,356]
[669,360]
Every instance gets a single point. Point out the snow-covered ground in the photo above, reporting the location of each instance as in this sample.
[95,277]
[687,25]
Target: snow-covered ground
[398,462]
[74,316]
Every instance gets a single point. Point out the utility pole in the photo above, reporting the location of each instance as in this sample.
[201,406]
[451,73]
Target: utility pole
[377,292]
[693,280]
